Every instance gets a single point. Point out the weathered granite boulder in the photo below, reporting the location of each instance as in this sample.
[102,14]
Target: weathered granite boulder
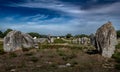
[15,40]
[106,40]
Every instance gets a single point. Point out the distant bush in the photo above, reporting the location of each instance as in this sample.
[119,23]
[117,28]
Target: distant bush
[1,34]
[7,31]
[34,34]
[81,35]
[69,36]
[118,33]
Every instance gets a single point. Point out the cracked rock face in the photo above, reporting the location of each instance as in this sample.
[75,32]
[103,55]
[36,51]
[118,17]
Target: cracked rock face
[16,40]
[106,39]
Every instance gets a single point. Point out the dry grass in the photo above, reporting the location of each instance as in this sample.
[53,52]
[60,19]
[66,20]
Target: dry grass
[53,58]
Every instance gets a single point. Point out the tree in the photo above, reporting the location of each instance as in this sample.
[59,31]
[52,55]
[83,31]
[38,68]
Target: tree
[118,34]
[80,36]
[77,36]
[1,34]
[7,31]
[83,35]
[68,36]
[34,34]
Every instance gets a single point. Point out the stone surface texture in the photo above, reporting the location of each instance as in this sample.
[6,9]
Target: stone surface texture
[106,39]
[16,40]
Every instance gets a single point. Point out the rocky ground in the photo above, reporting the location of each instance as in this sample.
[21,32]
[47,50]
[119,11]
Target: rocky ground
[56,58]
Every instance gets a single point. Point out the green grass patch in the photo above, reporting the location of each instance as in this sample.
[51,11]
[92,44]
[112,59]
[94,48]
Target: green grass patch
[66,55]
[59,41]
[47,46]
[1,48]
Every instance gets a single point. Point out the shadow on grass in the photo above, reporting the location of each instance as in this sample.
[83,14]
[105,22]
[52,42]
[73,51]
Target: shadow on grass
[91,52]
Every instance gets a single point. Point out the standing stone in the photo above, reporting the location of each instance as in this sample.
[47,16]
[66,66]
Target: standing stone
[36,42]
[106,40]
[85,40]
[58,37]
[92,39]
[52,40]
[41,40]
[79,40]
[82,40]
[15,40]
[49,38]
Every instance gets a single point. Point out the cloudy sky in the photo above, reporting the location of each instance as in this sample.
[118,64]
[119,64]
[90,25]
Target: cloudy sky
[58,17]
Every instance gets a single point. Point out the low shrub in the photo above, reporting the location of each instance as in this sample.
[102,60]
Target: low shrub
[117,46]
[116,56]
[61,53]
[25,49]
[29,54]
[34,59]
[117,66]
[12,55]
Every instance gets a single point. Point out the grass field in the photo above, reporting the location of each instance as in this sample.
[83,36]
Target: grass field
[57,58]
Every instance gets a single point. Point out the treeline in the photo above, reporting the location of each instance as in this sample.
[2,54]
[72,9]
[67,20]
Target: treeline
[35,34]
[3,34]
[76,36]
[84,35]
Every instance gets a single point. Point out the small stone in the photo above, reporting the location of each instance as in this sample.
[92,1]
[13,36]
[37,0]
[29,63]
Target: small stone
[49,62]
[62,66]
[38,66]
[13,70]
[30,62]
[68,64]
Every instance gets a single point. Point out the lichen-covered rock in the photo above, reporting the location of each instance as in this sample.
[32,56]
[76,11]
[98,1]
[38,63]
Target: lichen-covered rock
[106,40]
[15,40]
